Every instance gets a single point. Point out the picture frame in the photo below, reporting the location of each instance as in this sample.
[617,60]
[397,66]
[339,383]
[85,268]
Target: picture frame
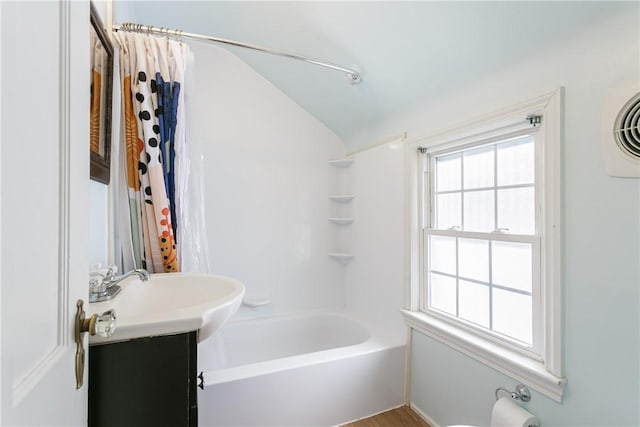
[101,65]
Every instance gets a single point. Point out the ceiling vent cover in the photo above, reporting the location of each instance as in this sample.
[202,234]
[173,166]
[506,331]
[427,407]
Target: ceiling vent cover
[621,131]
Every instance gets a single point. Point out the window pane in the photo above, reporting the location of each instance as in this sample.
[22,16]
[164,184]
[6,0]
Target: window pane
[448,172]
[443,293]
[474,303]
[516,161]
[443,254]
[474,259]
[516,210]
[479,211]
[448,211]
[512,315]
[511,265]
[478,167]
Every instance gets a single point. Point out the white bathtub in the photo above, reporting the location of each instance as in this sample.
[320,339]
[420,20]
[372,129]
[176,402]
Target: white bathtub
[321,369]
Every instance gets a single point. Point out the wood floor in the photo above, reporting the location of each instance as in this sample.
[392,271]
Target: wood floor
[399,417]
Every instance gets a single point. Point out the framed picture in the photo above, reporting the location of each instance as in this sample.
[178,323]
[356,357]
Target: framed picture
[101,99]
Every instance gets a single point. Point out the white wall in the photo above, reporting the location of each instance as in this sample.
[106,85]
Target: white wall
[601,242]
[266,180]
[375,276]
[98,223]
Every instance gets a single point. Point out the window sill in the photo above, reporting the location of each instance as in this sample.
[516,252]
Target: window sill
[520,367]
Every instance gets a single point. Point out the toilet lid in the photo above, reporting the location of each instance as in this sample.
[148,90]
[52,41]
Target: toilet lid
[461,425]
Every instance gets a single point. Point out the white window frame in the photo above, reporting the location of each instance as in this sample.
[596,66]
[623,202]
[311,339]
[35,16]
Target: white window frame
[539,368]
[428,167]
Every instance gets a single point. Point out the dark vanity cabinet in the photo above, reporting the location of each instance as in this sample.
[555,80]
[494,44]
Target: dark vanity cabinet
[144,382]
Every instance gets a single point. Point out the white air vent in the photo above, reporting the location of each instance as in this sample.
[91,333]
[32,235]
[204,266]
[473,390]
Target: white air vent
[621,131]
[627,127]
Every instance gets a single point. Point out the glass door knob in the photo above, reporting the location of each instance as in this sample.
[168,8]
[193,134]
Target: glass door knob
[103,324]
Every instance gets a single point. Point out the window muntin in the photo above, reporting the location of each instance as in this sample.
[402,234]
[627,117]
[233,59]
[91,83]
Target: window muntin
[487,188]
[482,250]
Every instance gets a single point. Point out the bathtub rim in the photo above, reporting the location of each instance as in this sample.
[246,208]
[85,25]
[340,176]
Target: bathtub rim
[373,343]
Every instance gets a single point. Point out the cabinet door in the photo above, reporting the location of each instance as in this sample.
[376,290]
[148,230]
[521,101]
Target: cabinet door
[144,382]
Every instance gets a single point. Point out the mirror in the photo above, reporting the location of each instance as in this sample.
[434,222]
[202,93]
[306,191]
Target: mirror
[101,98]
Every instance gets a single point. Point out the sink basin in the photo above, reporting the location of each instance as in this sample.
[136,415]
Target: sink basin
[169,304]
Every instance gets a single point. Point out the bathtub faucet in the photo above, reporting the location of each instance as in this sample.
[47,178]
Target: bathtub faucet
[105,286]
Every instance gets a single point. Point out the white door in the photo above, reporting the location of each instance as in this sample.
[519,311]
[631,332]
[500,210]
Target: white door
[43,209]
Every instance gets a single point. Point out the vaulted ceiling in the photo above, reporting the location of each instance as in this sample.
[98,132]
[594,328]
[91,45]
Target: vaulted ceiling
[409,53]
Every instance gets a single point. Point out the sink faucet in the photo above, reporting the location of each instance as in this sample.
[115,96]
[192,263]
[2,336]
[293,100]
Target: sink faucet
[105,287]
[111,280]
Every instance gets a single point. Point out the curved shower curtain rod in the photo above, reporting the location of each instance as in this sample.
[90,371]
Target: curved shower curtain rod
[353,76]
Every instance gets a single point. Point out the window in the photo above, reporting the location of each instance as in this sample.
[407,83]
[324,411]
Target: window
[482,247]
[485,251]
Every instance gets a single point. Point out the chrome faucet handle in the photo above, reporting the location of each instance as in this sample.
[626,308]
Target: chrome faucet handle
[104,284]
[110,272]
[97,284]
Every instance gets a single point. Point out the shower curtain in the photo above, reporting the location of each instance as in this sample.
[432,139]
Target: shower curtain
[152,71]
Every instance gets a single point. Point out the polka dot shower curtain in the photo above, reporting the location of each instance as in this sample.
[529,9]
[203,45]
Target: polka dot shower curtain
[152,73]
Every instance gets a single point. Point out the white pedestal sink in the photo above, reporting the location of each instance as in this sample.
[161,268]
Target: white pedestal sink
[169,304]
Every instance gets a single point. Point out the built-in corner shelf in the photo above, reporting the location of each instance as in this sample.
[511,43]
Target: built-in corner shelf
[340,209]
[342,198]
[341,163]
[341,221]
[344,257]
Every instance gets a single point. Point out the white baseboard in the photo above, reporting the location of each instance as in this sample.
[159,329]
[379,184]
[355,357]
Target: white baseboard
[423,415]
[372,415]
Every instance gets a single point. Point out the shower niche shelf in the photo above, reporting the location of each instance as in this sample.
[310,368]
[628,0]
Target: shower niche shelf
[341,163]
[341,221]
[341,196]
[343,257]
